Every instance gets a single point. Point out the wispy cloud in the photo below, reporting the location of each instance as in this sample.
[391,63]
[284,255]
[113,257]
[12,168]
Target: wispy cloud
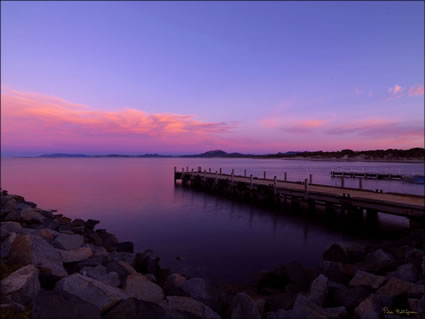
[379,128]
[395,91]
[34,118]
[304,126]
[417,90]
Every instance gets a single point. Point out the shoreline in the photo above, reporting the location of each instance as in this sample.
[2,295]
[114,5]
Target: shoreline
[47,256]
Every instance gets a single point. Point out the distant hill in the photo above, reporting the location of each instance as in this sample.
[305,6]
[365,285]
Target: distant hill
[417,154]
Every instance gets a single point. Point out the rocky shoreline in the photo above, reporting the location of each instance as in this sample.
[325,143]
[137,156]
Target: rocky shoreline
[55,267]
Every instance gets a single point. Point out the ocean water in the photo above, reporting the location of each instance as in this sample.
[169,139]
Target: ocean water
[196,233]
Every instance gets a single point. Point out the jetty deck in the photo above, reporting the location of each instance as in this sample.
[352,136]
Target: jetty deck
[373,201]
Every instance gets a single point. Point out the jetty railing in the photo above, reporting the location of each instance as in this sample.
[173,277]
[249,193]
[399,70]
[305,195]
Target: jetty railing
[276,191]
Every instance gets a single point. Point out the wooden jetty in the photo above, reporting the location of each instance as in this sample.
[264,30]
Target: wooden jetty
[276,191]
[365,175]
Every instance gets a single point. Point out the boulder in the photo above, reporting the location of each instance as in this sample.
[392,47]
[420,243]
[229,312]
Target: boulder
[92,261]
[31,215]
[133,308]
[32,249]
[108,240]
[347,297]
[99,273]
[172,285]
[91,223]
[6,243]
[378,261]
[318,290]
[396,287]
[333,270]
[99,251]
[91,290]
[243,307]
[48,234]
[178,307]
[68,241]
[335,253]
[142,288]
[22,285]
[126,246]
[122,268]
[76,255]
[146,263]
[13,227]
[278,301]
[124,256]
[406,272]
[363,278]
[373,304]
[199,289]
[305,307]
[60,304]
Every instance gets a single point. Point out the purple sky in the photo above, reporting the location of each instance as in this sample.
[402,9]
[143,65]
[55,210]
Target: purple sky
[184,77]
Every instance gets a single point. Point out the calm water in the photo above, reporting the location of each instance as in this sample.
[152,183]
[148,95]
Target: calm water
[220,239]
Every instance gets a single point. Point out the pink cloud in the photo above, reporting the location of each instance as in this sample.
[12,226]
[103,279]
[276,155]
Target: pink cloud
[417,90]
[395,91]
[32,119]
[303,126]
[379,128]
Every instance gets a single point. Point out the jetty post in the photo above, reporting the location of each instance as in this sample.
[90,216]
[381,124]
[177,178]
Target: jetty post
[311,179]
[175,178]
[274,186]
[342,181]
[244,172]
[264,174]
[233,174]
[305,189]
[216,178]
[360,183]
[250,184]
[285,177]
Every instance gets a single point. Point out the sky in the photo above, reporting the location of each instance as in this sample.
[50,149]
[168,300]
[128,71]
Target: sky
[188,77]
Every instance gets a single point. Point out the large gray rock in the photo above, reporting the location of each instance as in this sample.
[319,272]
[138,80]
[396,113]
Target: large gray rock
[6,243]
[363,278]
[68,241]
[99,273]
[243,307]
[22,285]
[318,290]
[13,227]
[199,289]
[32,216]
[305,307]
[32,249]
[59,304]
[178,307]
[396,287]
[172,284]
[140,287]
[348,297]
[133,308]
[406,272]
[76,255]
[91,290]
[378,260]
[373,304]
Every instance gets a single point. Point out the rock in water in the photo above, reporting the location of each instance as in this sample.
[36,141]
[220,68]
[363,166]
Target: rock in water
[378,260]
[142,288]
[133,308]
[32,249]
[22,285]
[243,307]
[59,304]
[396,287]
[185,307]
[91,290]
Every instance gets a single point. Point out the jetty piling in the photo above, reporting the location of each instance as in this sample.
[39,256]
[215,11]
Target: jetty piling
[278,191]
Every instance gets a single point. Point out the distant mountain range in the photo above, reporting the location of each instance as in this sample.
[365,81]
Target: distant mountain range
[389,154]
